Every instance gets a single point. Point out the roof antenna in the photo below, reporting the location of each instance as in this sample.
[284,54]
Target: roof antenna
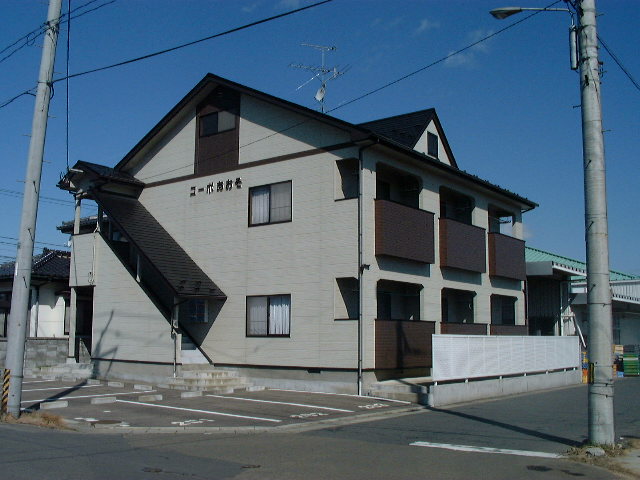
[322,73]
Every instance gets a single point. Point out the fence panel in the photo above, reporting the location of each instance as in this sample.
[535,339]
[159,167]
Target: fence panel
[472,356]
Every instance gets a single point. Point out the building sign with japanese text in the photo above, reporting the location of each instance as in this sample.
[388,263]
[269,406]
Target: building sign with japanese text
[218,186]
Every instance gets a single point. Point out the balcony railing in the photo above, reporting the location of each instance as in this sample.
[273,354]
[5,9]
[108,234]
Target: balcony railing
[404,232]
[462,246]
[519,330]
[402,344]
[506,257]
[463,328]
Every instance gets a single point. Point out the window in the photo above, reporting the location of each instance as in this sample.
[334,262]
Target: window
[457,305]
[197,310]
[270,204]
[503,310]
[347,178]
[217,122]
[432,144]
[456,206]
[269,316]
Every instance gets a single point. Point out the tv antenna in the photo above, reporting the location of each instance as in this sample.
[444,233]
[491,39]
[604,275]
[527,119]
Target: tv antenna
[323,73]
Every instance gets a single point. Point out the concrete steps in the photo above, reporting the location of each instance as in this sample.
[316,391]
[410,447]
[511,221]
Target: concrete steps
[414,390]
[206,378]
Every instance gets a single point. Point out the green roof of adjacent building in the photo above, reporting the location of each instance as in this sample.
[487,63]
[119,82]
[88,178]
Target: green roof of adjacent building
[536,255]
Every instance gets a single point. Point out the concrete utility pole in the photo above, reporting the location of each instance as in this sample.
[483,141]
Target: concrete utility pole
[24,258]
[601,427]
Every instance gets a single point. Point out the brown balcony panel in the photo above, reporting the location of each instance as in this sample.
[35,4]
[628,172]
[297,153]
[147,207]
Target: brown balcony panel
[462,246]
[463,328]
[519,330]
[506,257]
[403,344]
[404,232]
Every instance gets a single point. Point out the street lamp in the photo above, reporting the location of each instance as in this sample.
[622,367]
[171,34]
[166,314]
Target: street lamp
[601,429]
[504,12]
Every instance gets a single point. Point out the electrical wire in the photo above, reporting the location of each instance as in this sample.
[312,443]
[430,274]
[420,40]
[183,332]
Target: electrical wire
[194,42]
[29,39]
[67,85]
[618,62]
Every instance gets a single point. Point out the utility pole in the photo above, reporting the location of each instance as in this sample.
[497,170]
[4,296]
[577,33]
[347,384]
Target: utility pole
[19,317]
[601,426]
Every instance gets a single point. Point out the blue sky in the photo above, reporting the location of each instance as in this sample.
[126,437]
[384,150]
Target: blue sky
[508,105]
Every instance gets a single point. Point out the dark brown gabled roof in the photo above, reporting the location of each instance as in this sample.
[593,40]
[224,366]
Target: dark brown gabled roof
[49,265]
[404,129]
[141,228]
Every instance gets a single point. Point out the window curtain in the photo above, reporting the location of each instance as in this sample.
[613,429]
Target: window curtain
[279,308]
[257,315]
[260,205]
[281,202]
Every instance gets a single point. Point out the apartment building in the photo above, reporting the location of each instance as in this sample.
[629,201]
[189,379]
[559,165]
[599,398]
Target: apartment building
[248,232]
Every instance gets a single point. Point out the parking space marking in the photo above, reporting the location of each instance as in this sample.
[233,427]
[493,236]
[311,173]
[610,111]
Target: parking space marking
[58,388]
[198,411]
[282,403]
[39,381]
[502,451]
[138,392]
[342,395]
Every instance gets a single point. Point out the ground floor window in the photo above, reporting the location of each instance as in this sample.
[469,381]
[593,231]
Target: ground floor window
[457,305]
[503,310]
[197,310]
[268,315]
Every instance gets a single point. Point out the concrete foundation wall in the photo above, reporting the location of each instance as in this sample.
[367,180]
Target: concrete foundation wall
[451,393]
[40,352]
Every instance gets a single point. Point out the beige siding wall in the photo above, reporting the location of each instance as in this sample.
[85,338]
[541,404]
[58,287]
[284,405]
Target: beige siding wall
[126,324]
[173,156]
[302,258]
[82,265]
[267,131]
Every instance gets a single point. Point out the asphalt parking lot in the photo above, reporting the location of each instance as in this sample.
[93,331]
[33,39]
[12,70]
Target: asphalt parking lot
[136,407]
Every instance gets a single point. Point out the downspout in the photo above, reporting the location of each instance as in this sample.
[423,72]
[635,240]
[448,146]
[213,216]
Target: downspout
[361,265]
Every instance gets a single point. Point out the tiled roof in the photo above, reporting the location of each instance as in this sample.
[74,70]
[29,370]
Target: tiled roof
[536,255]
[184,276]
[404,129]
[108,173]
[50,264]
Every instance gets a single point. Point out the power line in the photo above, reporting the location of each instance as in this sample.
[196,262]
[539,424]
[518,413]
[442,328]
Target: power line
[16,242]
[31,37]
[194,42]
[618,62]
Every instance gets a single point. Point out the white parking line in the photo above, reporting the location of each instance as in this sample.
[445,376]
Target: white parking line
[138,392]
[282,403]
[39,381]
[198,411]
[502,451]
[341,395]
[59,388]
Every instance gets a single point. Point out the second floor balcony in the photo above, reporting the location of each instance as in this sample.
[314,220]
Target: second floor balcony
[506,257]
[462,246]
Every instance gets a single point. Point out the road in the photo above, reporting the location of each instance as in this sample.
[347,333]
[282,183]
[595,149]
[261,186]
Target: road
[542,423]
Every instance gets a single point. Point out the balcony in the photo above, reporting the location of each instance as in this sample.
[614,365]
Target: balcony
[462,246]
[463,328]
[506,257]
[402,344]
[404,232]
[519,330]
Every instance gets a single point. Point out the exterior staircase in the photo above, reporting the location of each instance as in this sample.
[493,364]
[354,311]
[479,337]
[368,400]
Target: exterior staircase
[414,390]
[207,378]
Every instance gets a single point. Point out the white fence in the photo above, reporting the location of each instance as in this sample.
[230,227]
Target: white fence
[472,356]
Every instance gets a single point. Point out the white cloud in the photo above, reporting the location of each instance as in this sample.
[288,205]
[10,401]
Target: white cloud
[425,24]
[288,4]
[250,7]
[469,56]
[385,24]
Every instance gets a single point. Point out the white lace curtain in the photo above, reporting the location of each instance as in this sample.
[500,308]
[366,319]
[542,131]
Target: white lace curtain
[269,315]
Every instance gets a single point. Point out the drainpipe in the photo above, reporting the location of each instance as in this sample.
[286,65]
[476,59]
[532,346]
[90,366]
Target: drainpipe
[36,310]
[361,265]
[174,334]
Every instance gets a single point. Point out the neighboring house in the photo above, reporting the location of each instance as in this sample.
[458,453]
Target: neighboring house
[49,294]
[246,231]
[557,303]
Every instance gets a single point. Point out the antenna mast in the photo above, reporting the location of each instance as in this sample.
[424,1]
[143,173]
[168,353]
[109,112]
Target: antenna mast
[322,73]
